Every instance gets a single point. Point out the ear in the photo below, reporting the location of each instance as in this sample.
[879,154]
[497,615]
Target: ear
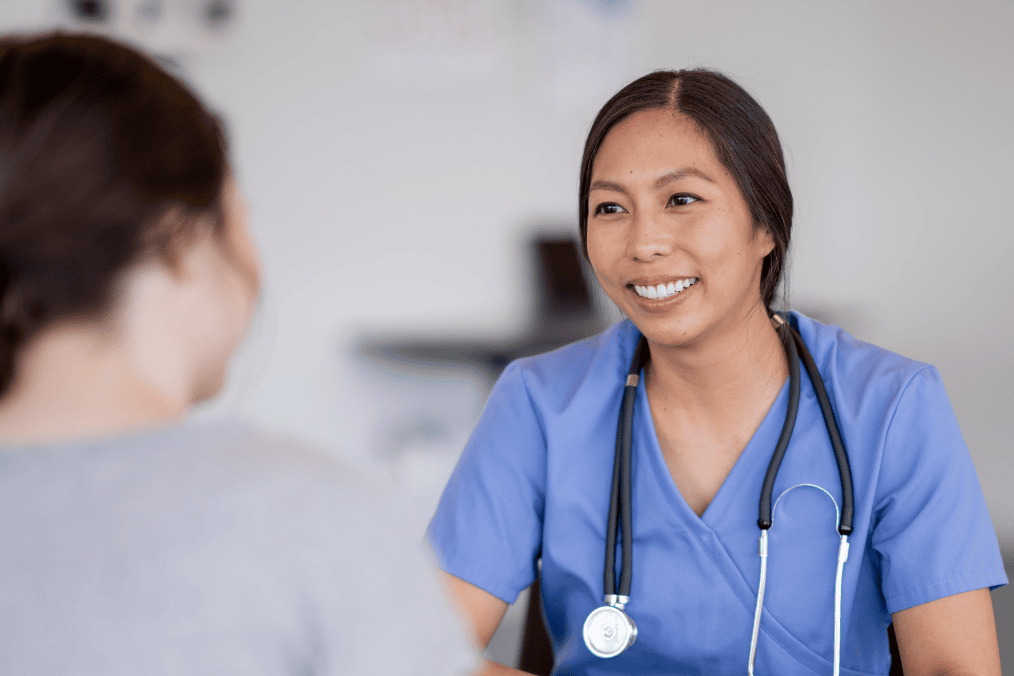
[765,240]
[171,235]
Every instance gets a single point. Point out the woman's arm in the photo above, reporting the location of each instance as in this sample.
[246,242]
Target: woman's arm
[484,612]
[953,636]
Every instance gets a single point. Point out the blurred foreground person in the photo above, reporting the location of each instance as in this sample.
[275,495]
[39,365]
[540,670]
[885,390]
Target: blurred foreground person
[135,542]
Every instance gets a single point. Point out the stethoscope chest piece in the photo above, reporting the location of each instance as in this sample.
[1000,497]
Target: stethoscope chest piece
[609,631]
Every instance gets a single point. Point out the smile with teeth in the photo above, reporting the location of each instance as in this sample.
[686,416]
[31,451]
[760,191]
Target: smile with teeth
[664,290]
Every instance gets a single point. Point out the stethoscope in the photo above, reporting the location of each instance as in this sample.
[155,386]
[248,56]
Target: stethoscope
[609,631]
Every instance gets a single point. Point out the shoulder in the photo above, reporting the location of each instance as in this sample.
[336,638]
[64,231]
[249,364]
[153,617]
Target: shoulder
[262,535]
[298,510]
[286,468]
[858,372]
[835,348]
[552,379]
[227,473]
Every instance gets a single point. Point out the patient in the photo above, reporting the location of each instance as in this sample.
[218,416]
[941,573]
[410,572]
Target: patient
[134,541]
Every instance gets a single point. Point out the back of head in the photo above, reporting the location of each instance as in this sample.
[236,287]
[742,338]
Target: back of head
[97,144]
[742,137]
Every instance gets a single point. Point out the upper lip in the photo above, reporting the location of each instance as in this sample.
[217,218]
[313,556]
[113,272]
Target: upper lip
[655,280]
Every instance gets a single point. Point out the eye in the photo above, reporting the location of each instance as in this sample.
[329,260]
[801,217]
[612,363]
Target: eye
[609,208]
[682,199]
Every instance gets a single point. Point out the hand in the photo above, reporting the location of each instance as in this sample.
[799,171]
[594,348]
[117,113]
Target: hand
[494,669]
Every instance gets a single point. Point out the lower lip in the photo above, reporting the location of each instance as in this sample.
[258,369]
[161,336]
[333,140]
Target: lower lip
[663,304]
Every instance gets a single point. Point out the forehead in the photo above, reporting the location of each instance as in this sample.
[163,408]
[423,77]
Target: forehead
[650,143]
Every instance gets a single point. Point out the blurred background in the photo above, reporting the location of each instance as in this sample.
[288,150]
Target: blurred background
[411,173]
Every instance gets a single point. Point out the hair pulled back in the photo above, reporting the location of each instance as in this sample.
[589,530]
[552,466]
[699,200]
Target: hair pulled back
[97,144]
[743,139]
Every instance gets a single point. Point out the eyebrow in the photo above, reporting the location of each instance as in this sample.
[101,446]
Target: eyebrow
[671,177]
[674,176]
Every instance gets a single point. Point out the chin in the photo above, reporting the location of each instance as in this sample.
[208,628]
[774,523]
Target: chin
[672,338]
[209,386]
[668,331]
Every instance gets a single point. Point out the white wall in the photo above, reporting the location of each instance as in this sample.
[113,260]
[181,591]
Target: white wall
[396,154]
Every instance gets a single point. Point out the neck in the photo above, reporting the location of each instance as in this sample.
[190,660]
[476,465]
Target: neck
[85,381]
[723,375]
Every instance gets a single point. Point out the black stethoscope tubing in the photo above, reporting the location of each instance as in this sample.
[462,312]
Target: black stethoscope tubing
[620,498]
[833,432]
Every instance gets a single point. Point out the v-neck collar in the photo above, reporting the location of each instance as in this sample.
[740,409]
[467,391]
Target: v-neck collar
[758,450]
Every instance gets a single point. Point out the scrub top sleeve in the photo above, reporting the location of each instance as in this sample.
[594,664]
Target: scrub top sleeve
[931,528]
[487,529]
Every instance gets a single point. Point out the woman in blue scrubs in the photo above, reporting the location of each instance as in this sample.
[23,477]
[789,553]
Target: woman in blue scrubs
[685,216]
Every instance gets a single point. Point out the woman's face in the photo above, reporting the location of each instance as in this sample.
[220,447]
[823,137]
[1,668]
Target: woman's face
[663,210]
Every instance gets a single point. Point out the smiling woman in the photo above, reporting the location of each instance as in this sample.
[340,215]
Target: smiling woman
[685,217]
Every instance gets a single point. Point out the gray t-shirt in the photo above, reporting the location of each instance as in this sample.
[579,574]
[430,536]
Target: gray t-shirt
[209,548]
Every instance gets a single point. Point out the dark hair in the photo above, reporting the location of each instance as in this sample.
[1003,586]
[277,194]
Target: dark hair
[741,134]
[97,145]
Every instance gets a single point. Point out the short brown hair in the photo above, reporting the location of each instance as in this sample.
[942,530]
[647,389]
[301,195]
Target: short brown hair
[97,142]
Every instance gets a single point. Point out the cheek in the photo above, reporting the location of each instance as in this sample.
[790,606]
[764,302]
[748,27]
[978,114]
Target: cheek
[246,259]
[601,272]
[600,252]
[732,242]
[238,287]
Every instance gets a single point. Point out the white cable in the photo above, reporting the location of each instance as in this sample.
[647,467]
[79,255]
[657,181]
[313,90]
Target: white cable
[763,549]
[819,488]
[843,556]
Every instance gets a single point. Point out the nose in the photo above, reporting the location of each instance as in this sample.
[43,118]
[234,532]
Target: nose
[648,238]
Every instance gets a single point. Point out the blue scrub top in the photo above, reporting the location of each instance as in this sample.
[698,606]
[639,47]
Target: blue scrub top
[534,480]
